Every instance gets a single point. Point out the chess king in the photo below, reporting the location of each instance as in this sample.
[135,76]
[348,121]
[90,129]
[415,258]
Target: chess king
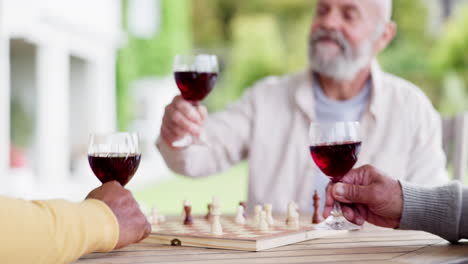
[269,125]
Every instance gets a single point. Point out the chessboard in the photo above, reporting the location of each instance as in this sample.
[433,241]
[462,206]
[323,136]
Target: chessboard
[235,236]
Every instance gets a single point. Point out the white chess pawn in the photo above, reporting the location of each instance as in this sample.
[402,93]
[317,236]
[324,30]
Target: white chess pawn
[258,211]
[293,215]
[263,226]
[216,228]
[240,219]
[293,220]
[154,216]
[269,214]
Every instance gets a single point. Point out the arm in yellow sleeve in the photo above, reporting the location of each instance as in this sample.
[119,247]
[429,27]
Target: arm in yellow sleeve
[54,231]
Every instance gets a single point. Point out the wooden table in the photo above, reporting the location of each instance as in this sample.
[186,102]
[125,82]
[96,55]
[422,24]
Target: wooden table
[370,245]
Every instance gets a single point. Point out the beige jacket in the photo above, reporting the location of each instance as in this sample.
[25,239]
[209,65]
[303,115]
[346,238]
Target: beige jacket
[269,127]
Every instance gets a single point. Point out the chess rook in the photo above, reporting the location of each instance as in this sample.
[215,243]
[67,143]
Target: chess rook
[216,228]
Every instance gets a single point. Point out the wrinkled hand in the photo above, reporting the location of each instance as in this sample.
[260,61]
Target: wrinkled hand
[182,118]
[367,195]
[133,225]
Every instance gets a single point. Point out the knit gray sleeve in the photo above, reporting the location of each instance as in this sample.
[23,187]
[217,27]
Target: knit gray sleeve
[441,210]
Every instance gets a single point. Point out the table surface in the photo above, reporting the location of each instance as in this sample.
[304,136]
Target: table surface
[369,245]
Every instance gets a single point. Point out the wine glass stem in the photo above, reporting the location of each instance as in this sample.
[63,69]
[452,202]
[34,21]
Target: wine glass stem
[336,211]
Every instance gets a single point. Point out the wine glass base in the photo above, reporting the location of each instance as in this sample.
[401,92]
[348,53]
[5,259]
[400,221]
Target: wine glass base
[337,223]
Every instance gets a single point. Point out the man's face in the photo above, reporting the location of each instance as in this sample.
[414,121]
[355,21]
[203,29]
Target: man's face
[343,36]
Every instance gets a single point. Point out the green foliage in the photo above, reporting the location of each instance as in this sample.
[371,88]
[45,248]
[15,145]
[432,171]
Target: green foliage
[454,95]
[450,51]
[407,56]
[209,31]
[256,52]
[21,125]
[437,66]
[260,38]
[449,63]
[153,56]
[412,20]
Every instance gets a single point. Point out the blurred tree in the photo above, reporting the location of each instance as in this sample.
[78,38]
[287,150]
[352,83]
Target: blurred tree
[258,38]
[153,56]
[449,62]
[454,96]
[411,18]
[407,55]
[207,18]
[257,51]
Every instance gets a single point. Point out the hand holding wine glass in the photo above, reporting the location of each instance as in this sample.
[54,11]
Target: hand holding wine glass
[377,198]
[195,77]
[334,147]
[180,119]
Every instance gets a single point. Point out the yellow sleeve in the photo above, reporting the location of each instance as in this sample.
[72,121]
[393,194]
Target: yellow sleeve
[54,231]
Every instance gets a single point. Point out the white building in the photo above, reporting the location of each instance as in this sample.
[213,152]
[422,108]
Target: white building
[57,57]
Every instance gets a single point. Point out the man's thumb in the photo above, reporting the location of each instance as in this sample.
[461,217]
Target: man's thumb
[349,193]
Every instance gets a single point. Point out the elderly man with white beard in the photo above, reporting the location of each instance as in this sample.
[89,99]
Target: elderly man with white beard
[268,126]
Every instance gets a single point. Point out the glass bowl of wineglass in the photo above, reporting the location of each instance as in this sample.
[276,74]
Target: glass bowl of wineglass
[114,156]
[334,148]
[195,76]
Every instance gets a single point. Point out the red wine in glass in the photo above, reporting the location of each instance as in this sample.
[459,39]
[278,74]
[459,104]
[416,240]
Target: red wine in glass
[335,159]
[114,166]
[195,86]
[195,75]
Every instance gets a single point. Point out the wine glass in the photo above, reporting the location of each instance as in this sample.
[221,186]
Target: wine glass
[334,147]
[195,76]
[114,156]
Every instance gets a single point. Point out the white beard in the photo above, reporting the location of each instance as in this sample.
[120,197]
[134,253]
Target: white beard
[345,65]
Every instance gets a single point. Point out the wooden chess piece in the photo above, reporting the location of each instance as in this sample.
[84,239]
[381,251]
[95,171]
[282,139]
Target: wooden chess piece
[209,213]
[243,204]
[316,217]
[188,213]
